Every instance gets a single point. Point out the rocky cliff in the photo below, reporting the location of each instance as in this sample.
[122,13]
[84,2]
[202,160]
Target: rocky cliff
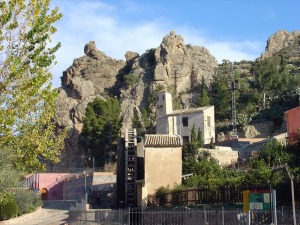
[281,40]
[172,65]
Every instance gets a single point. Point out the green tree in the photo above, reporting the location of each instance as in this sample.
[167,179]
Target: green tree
[145,117]
[271,75]
[205,169]
[200,139]
[27,100]
[275,153]
[211,144]
[189,151]
[259,174]
[101,126]
[9,177]
[193,135]
[204,99]
[220,93]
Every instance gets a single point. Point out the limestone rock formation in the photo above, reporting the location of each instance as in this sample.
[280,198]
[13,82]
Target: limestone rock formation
[182,66]
[173,65]
[90,76]
[280,40]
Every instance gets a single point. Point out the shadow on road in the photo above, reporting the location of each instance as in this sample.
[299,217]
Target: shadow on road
[58,204]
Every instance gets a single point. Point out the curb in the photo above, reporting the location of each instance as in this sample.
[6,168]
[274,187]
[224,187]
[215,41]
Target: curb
[20,219]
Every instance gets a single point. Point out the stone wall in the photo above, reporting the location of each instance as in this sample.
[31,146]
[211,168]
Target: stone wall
[74,186]
[224,155]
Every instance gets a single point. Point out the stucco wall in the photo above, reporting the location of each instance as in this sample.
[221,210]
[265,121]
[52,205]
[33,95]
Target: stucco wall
[209,129]
[52,182]
[162,125]
[163,167]
[199,120]
[293,122]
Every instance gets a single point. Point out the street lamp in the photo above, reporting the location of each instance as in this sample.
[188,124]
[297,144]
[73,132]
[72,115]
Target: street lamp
[89,159]
[85,192]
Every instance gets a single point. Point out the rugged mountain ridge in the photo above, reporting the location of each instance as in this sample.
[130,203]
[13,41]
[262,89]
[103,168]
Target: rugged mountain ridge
[280,40]
[172,65]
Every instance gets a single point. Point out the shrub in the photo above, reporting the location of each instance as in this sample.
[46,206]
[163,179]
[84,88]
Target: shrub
[176,194]
[160,194]
[131,80]
[8,208]
[27,201]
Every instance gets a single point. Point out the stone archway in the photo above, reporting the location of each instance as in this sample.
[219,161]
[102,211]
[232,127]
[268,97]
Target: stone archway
[44,194]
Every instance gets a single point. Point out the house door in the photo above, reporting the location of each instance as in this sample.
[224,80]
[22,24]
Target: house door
[44,194]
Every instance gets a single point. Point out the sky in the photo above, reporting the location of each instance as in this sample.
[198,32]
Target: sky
[230,29]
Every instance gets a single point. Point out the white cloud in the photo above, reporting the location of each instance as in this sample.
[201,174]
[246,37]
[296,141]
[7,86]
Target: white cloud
[113,36]
[231,50]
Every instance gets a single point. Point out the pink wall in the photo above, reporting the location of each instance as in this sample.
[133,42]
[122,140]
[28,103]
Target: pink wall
[50,181]
[293,122]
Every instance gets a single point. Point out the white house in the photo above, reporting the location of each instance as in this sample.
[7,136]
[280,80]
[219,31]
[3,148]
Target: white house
[182,121]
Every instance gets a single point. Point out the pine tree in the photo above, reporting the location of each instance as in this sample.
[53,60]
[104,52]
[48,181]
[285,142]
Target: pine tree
[193,135]
[204,99]
[101,126]
[220,94]
[211,144]
[199,139]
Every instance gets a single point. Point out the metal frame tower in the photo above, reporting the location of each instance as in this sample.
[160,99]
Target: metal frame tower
[130,168]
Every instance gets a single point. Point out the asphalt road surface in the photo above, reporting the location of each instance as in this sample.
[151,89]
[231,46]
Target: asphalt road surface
[51,213]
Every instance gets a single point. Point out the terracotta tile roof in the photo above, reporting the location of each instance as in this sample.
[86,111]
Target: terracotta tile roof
[162,140]
[190,110]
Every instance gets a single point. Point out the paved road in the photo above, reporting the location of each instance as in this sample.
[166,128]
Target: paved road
[51,213]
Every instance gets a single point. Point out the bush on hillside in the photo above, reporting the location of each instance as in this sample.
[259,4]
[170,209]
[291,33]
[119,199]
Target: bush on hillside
[27,201]
[8,208]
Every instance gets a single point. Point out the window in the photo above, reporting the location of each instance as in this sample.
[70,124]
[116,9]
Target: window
[185,121]
[208,121]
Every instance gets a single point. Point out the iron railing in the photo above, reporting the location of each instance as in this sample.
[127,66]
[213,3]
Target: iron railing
[182,216]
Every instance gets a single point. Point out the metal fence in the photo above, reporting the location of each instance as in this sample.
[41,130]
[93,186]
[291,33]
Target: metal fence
[184,216]
[224,194]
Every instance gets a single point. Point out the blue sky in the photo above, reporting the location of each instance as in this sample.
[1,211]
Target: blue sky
[229,29]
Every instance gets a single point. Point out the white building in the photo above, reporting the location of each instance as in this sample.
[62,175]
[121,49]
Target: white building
[182,121]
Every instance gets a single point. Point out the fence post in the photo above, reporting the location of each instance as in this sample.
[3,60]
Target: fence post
[98,216]
[223,216]
[249,218]
[205,217]
[77,217]
[108,214]
[282,218]
[129,215]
